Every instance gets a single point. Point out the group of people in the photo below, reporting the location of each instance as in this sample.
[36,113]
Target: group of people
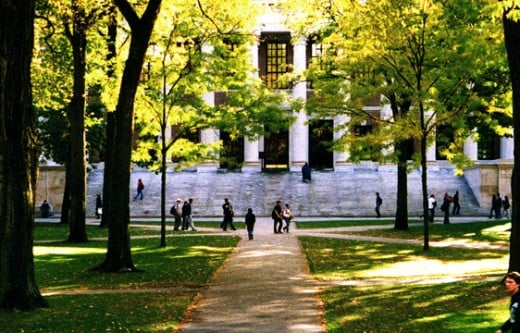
[447,200]
[229,213]
[183,218]
[499,206]
[279,215]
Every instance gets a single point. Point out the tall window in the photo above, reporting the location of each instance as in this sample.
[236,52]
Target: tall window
[321,135]
[275,58]
[488,144]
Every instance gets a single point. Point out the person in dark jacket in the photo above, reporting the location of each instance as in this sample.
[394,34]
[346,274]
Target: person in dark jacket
[99,206]
[228,212]
[456,204]
[445,207]
[250,220]
[306,173]
[186,212]
[276,215]
[512,283]
[379,202]
[506,205]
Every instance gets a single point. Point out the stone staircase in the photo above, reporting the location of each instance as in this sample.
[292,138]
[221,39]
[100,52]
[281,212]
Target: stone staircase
[350,193]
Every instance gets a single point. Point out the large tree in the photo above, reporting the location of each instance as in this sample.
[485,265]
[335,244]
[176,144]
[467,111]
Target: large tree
[191,57]
[119,138]
[18,157]
[428,59]
[511,23]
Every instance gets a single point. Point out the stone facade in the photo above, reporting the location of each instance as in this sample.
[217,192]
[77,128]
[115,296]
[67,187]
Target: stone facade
[349,193]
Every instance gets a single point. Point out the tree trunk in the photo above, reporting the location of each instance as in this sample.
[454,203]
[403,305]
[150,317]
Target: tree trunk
[76,115]
[18,158]
[65,202]
[401,213]
[119,142]
[512,41]
[424,185]
[110,128]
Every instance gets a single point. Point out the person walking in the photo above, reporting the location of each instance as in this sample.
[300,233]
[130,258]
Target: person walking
[190,217]
[432,203]
[456,204]
[498,207]
[140,188]
[228,212]
[493,206]
[287,215]
[250,220]
[276,215]
[506,205]
[512,284]
[445,207]
[379,202]
[186,211]
[99,206]
[176,211]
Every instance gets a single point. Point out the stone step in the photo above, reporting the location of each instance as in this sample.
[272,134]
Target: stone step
[329,193]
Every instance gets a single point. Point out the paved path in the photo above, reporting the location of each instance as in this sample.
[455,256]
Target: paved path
[264,286]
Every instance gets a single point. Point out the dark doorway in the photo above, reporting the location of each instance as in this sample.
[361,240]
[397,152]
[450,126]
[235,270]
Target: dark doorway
[276,151]
[488,144]
[321,135]
[232,153]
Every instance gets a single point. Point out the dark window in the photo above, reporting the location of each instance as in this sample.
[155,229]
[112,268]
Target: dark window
[276,151]
[232,153]
[488,144]
[320,144]
[275,58]
[443,139]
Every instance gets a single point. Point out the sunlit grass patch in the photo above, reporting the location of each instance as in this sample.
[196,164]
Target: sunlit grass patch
[458,307]
[384,287]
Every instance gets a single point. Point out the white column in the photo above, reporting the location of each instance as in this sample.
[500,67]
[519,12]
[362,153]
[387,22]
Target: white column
[506,148]
[341,163]
[299,131]
[471,149]
[431,155]
[252,148]
[208,136]
[251,158]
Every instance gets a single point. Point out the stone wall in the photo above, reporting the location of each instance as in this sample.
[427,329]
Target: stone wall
[329,194]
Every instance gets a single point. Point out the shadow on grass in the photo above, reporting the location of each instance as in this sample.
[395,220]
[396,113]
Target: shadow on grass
[492,232]
[425,308]
[376,287]
[187,260]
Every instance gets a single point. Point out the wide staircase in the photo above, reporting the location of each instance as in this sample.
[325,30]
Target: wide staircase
[350,193]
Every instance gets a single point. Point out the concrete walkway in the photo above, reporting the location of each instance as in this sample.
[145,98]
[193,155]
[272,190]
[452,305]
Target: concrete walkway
[264,286]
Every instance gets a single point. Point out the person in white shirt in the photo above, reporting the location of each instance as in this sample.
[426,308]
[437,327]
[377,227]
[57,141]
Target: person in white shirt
[432,203]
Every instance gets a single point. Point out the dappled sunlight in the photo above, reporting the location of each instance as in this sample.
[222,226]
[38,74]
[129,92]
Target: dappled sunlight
[266,253]
[430,268]
[49,250]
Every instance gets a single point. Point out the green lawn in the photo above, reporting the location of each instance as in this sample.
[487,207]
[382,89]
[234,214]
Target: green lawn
[371,287]
[384,287]
[83,301]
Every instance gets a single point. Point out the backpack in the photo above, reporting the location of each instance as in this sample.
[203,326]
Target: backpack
[273,214]
[172,210]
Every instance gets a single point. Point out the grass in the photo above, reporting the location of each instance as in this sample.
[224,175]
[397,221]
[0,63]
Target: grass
[341,223]
[384,287]
[151,301]
[496,232]
[368,286]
